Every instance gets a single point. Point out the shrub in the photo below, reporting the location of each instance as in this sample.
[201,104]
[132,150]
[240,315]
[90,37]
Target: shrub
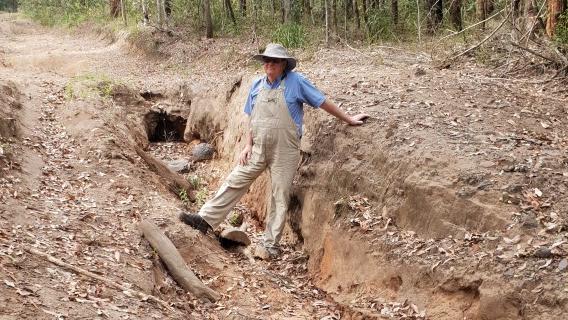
[291,35]
[561,34]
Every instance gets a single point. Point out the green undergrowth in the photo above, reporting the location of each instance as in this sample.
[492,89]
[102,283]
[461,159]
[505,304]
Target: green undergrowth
[89,85]
[561,35]
[201,192]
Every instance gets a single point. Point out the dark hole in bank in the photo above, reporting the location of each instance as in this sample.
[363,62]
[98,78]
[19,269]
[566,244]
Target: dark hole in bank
[164,127]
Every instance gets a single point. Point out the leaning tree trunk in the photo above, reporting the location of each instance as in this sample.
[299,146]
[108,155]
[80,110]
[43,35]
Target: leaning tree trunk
[455,14]
[555,9]
[208,20]
[114,6]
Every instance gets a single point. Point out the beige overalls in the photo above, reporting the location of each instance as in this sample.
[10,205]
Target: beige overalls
[276,146]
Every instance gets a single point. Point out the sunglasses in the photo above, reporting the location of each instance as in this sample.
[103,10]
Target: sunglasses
[272,60]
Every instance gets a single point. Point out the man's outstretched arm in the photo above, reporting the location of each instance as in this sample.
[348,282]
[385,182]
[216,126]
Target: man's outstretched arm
[334,110]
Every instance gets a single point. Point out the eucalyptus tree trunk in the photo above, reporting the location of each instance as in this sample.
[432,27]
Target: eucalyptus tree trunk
[483,8]
[365,13]
[394,12]
[555,9]
[123,10]
[326,8]
[435,11]
[455,14]
[356,14]
[286,9]
[526,19]
[345,14]
[307,12]
[159,15]
[114,6]
[230,12]
[243,7]
[272,8]
[167,8]
[334,15]
[207,18]
[145,18]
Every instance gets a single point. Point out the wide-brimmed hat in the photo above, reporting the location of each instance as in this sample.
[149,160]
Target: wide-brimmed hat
[276,50]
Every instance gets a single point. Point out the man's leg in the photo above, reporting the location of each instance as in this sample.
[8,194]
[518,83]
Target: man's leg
[233,188]
[282,173]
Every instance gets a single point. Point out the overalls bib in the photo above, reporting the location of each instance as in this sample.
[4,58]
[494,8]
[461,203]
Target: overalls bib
[276,146]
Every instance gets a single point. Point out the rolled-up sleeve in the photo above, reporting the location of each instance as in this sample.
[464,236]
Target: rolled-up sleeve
[253,92]
[308,93]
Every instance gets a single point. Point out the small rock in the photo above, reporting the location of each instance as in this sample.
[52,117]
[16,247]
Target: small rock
[562,265]
[419,71]
[466,191]
[514,188]
[507,198]
[203,151]
[543,252]
[529,221]
[181,166]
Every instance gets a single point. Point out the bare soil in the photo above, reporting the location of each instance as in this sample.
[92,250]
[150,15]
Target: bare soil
[449,203]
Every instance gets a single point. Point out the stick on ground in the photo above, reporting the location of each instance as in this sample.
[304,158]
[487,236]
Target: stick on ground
[175,263]
[174,181]
[108,282]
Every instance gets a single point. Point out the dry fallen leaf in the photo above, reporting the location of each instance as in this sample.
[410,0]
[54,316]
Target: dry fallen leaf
[10,283]
[514,240]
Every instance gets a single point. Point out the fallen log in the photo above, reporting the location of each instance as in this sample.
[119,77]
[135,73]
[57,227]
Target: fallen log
[111,283]
[175,263]
[173,181]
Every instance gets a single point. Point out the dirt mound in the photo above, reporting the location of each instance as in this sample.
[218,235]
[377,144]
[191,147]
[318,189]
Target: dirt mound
[427,192]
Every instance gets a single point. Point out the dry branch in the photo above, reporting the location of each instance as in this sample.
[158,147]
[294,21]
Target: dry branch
[484,40]
[175,263]
[469,27]
[108,282]
[174,181]
[533,52]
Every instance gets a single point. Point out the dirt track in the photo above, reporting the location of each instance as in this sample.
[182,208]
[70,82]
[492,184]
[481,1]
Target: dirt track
[443,199]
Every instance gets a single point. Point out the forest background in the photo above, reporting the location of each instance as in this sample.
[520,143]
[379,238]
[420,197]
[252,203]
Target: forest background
[448,28]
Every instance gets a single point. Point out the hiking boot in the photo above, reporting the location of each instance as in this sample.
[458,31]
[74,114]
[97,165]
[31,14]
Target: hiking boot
[195,221]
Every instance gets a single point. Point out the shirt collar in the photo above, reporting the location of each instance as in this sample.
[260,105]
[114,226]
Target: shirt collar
[276,82]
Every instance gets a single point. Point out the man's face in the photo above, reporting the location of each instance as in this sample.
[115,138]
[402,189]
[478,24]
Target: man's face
[274,67]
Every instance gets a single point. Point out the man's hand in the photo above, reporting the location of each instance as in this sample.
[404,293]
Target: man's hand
[357,120]
[245,155]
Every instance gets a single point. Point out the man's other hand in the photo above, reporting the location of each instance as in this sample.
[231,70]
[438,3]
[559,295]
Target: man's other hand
[245,155]
[357,120]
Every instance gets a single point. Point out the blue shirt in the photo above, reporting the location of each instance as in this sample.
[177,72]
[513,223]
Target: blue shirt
[298,91]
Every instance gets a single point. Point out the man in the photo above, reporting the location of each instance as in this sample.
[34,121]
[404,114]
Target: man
[275,113]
